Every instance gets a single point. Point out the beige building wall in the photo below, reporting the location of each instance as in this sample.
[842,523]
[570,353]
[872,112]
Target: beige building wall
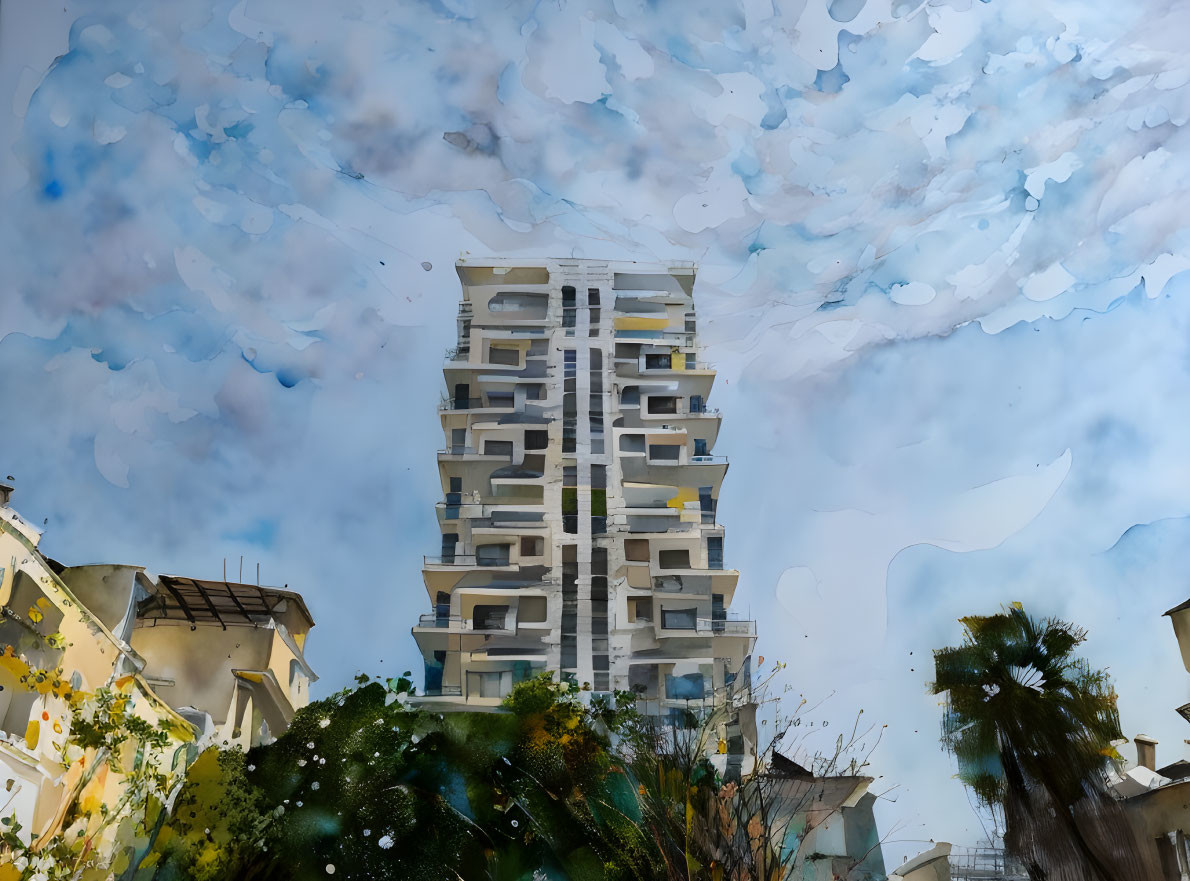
[218,662]
[51,638]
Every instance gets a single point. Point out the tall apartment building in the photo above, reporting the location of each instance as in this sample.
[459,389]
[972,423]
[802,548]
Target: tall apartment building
[579,492]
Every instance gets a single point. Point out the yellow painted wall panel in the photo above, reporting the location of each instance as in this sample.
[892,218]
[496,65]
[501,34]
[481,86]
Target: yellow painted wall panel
[632,322]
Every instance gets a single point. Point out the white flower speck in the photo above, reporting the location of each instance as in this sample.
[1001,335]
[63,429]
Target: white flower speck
[385,842]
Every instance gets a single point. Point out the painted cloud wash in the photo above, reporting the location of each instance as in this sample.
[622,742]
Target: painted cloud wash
[940,249]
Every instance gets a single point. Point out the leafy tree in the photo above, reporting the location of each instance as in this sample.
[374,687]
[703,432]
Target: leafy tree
[367,784]
[1032,727]
[217,824]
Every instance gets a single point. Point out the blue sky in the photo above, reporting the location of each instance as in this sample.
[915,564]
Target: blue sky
[942,246]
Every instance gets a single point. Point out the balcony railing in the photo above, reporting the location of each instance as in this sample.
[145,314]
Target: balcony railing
[456,622]
[683,338]
[468,560]
[445,622]
[733,627]
[472,404]
[444,691]
[708,460]
[678,365]
[451,560]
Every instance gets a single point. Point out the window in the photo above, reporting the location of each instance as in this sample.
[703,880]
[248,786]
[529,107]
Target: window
[458,440]
[498,448]
[536,439]
[592,296]
[643,609]
[462,396]
[706,503]
[697,405]
[630,396]
[688,687]
[504,355]
[700,446]
[678,619]
[568,309]
[532,545]
[691,361]
[488,684]
[434,672]
[532,306]
[570,499]
[665,452]
[661,404]
[674,558]
[489,617]
[657,362]
[492,555]
[500,399]
[714,552]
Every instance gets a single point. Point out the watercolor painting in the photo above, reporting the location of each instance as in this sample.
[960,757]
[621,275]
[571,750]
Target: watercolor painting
[739,440]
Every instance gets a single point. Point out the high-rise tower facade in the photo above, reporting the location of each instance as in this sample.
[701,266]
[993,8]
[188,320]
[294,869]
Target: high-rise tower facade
[579,492]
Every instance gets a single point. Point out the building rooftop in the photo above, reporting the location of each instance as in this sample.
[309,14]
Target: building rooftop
[215,602]
[1179,608]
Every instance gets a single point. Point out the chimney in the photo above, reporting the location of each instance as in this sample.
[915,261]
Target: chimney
[1146,751]
[5,494]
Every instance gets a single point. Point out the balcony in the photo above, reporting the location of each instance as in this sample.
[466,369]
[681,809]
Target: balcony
[467,560]
[470,561]
[675,338]
[728,627]
[458,451]
[712,627]
[441,622]
[456,623]
[473,404]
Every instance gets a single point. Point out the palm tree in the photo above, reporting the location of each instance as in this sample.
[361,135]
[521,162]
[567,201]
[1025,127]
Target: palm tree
[1032,726]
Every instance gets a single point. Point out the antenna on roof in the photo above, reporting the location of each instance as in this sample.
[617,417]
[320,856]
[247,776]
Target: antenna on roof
[241,568]
[258,574]
[225,570]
